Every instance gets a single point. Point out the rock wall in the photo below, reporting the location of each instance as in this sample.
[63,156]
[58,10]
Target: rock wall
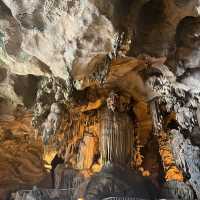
[21,161]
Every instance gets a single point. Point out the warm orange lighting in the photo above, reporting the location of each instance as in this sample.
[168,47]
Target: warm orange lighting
[48,156]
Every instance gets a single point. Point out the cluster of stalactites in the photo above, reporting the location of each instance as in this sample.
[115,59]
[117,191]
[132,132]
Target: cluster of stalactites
[52,96]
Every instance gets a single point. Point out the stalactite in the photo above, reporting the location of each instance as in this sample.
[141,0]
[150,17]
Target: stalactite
[48,155]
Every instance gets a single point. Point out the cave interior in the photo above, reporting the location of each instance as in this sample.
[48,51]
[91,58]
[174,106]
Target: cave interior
[99,99]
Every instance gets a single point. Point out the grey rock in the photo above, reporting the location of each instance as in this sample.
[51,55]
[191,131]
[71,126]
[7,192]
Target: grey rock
[176,190]
[187,158]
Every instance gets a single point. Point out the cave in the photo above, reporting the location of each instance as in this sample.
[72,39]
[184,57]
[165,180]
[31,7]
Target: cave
[99,99]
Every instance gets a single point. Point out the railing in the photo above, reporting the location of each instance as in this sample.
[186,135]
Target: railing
[61,194]
[129,198]
[67,194]
[123,198]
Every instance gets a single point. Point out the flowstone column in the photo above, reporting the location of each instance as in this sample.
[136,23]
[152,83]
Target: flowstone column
[116,132]
[116,136]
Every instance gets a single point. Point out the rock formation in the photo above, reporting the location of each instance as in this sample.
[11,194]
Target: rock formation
[99,99]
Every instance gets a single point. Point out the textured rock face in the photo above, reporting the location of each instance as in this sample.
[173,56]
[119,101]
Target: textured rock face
[21,163]
[79,34]
[105,81]
[63,34]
